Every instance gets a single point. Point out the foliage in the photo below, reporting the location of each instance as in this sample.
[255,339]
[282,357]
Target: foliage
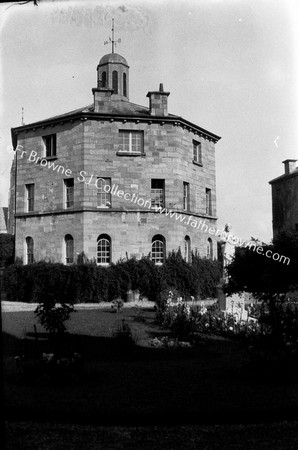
[252,272]
[86,282]
[117,305]
[6,249]
[124,335]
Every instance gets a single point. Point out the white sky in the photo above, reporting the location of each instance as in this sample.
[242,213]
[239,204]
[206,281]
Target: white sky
[231,67]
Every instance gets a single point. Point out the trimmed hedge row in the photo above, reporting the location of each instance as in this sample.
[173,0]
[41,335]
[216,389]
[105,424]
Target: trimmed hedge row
[87,282]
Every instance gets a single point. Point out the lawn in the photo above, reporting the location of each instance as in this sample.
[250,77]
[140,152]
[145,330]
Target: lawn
[140,384]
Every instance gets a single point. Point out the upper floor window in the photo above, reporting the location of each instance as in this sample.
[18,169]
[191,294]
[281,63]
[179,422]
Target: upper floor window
[186,196]
[158,249]
[209,249]
[103,193]
[50,145]
[69,249]
[131,141]
[69,192]
[157,193]
[208,202]
[30,197]
[197,152]
[115,81]
[103,249]
[103,79]
[29,250]
[124,85]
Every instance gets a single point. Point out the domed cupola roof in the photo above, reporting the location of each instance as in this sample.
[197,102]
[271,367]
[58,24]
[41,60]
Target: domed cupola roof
[113,58]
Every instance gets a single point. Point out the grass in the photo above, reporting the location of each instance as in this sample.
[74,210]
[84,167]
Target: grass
[141,384]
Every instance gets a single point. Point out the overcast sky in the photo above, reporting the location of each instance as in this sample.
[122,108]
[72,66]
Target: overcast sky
[230,66]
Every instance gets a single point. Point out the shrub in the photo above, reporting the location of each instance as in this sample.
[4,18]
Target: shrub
[6,249]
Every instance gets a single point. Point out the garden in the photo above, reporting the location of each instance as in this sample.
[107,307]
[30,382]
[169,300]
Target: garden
[139,343]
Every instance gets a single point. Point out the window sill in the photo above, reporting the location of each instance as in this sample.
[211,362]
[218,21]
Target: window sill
[119,153]
[197,163]
[50,158]
[104,207]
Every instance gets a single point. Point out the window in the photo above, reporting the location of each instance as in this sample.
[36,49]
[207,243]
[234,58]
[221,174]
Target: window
[197,152]
[103,79]
[209,249]
[50,145]
[124,85]
[158,249]
[208,202]
[29,250]
[30,197]
[131,141]
[296,227]
[187,249]
[103,249]
[115,81]
[69,192]
[157,193]
[186,196]
[69,249]
[103,193]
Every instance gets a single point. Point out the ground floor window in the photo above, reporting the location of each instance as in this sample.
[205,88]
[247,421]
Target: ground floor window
[158,249]
[69,249]
[103,249]
[29,250]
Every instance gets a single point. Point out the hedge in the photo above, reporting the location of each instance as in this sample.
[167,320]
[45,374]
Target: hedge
[87,282]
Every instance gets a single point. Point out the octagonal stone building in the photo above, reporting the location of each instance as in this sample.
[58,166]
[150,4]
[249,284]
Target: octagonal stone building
[113,179]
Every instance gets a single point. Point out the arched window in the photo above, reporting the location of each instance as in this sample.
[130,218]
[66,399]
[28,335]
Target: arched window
[209,249]
[115,81]
[69,249]
[187,248]
[29,250]
[103,79]
[158,249]
[103,249]
[124,85]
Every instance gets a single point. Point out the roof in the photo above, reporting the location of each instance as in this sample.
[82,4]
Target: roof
[284,176]
[120,109]
[112,58]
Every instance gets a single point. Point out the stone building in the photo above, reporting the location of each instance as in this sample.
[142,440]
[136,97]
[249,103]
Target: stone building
[285,199]
[90,180]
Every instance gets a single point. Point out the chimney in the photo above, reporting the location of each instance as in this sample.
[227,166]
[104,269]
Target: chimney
[290,165]
[158,102]
[102,99]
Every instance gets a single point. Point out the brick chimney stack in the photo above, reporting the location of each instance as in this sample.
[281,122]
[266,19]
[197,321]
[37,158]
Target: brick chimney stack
[290,165]
[158,102]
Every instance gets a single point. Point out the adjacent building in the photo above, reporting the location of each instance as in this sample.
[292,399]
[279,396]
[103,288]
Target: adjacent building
[285,199]
[96,180]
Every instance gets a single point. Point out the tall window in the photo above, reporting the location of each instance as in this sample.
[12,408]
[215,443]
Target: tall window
[103,193]
[157,193]
[131,141]
[209,249]
[29,250]
[187,249]
[103,249]
[197,152]
[30,197]
[124,85]
[69,249]
[115,81]
[103,79]
[69,192]
[158,249]
[186,196]
[208,202]
[50,145]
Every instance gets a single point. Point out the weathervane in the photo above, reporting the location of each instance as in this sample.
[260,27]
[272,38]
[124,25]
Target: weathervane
[112,41]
